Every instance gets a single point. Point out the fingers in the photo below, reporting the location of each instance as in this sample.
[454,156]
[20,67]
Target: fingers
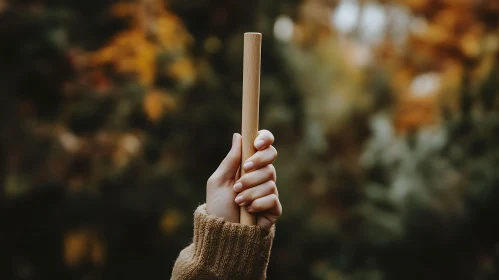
[256,178]
[260,159]
[266,153]
[248,196]
[269,204]
[229,166]
[263,140]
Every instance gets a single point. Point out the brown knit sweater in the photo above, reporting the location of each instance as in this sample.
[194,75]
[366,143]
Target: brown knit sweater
[224,250]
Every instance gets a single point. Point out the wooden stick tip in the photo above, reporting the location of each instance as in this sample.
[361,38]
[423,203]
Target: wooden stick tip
[257,34]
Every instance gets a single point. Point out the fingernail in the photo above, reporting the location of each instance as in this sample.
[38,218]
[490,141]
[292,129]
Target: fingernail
[248,165]
[259,144]
[233,139]
[238,187]
[239,199]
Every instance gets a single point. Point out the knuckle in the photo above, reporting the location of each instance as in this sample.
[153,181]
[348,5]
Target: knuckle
[214,179]
[256,205]
[273,188]
[249,195]
[271,168]
[244,180]
[230,156]
[274,151]
[274,199]
[271,171]
[256,159]
[210,181]
[268,172]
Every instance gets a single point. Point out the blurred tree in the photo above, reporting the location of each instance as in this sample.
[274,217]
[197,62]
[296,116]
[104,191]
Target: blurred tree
[411,107]
[108,117]
[385,114]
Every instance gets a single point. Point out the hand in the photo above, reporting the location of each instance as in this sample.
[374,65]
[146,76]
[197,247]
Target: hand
[256,190]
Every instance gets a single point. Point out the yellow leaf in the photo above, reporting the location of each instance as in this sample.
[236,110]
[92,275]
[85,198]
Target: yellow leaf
[153,29]
[76,244]
[171,221]
[129,52]
[417,5]
[124,9]
[212,44]
[153,105]
[183,70]
[415,112]
[470,45]
[99,252]
[3,5]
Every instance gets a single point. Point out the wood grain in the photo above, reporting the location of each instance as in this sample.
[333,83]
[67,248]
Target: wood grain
[251,99]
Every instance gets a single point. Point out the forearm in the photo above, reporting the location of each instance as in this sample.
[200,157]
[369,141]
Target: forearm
[224,250]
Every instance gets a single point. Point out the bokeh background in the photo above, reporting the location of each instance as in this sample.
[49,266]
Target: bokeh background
[113,114]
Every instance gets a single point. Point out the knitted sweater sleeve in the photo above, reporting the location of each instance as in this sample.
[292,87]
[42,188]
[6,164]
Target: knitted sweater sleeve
[224,250]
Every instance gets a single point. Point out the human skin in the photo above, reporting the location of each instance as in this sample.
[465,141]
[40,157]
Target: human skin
[256,190]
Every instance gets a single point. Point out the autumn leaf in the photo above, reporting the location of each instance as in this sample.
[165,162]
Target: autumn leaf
[76,246]
[470,44]
[153,105]
[3,5]
[98,252]
[124,9]
[183,69]
[171,221]
[82,245]
[153,30]
[413,113]
[130,52]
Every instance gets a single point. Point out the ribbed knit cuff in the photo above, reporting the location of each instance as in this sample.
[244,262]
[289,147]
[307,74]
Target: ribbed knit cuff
[229,249]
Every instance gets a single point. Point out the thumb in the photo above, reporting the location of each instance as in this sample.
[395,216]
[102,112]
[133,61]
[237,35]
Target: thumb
[229,166]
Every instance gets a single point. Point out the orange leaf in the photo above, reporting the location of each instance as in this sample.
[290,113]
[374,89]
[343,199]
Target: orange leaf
[98,253]
[183,70]
[171,221]
[75,247]
[157,102]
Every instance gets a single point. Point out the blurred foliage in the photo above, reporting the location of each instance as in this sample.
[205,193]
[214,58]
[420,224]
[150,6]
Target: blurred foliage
[400,164]
[114,114]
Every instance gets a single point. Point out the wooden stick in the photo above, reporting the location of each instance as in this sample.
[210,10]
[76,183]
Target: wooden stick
[251,99]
